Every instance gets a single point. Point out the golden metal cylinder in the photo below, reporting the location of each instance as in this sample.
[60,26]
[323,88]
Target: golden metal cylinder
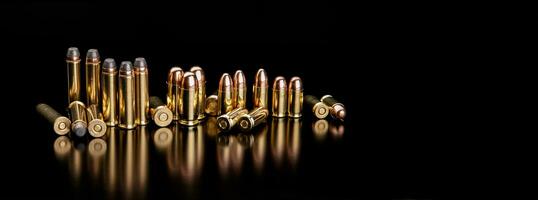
[319,109]
[227,121]
[336,109]
[254,118]
[78,118]
[141,91]
[93,67]
[295,97]
[96,124]
[239,90]
[127,96]
[200,76]
[211,105]
[73,74]
[161,115]
[280,97]
[175,75]
[188,114]
[60,123]
[109,89]
[260,89]
[225,94]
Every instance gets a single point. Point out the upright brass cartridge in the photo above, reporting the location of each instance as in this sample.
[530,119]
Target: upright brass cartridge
[188,114]
[96,124]
[200,76]
[93,67]
[336,109]
[260,89]
[78,118]
[280,97]
[141,91]
[211,104]
[225,94]
[239,90]
[295,97]
[127,96]
[60,123]
[227,121]
[319,109]
[254,118]
[109,89]
[175,75]
[160,113]
[73,74]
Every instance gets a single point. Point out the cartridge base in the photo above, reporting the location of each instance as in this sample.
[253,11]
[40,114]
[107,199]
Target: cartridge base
[62,125]
[97,128]
[162,116]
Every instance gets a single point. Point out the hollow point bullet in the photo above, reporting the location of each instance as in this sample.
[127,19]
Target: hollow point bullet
[160,113]
[260,89]
[73,74]
[93,67]
[60,123]
[280,97]
[225,94]
[189,100]
[109,92]
[96,124]
[336,109]
[175,75]
[211,105]
[141,91]
[319,109]
[227,121]
[79,123]
[254,118]
[127,96]
[239,95]
[200,76]
[295,97]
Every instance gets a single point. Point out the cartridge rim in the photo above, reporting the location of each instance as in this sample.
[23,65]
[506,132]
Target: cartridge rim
[246,122]
[163,116]
[97,128]
[320,110]
[224,122]
[62,125]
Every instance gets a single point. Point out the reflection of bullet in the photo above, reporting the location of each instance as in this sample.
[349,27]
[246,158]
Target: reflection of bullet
[337,109]
[228,120]
[278,131]
[225,94]
[93,68]
[319,109]
[200,76]
[73,74]
[78,118]
[127,96]
[175,75]
[320,129]
[97,147]
[259,148]
[141,91]
[254,118]
[60,123]
[239,90]
[211,126]
[260,88]
[96,125]
[295,97]
[62,147]
[162,138]
[189,100]
[337,129]
[280,97]
[109,92]
[293,140]
[161,115]
[211,105]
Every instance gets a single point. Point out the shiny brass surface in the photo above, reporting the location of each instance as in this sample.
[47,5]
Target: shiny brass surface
[78,118]
[127,96]
[200,76]
[189,100]
[160,113]
[61,124]
[141,91]
[318,108]
[295,98]
[254,118]
[225,94]
[93,85]
[73,74]
[96,124]
[175,75]
[211,105]
[109,92]
[260,89]
[280,97]
[239,96]
[227,121]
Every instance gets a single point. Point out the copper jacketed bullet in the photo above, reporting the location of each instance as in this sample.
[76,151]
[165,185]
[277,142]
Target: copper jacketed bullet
[225,94]
[260,89]
[211,104]
[336,109]
[189,100]
[175,75]
[109,92]
[141,91]
[200,76]
[79,123]
[254,118]
[239,90]
[127,96]
[73,74]
[93,67]
[160,113]
[295,97]
[96,124]
[60,123]
[227,121]
[319,109]
[280,97]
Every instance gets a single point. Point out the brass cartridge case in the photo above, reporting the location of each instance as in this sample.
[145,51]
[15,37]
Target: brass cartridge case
[78,118]
[319,109]
[73,75]
[295,97]
[60,123]
[211,104]
[96,124]
[239,90]
[227,121]
[254,118]
[225,94]
[175,75]
[200,76]
[141,91]
[160,113]
[188,114]
[260,89]
[336,109]
[93,85]
[280,97]
[127,96]
[109,92]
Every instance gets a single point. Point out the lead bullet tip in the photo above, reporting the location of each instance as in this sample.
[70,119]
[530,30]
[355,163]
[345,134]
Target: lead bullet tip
[109,63]
[140,63]
[73,52]
[92,54]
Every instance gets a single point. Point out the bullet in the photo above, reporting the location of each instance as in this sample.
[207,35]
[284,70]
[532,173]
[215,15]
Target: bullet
[78,118]
[109,89]
[239,90]
[211,104]
[175,75]
[93,65]
[141,91]
[254,118]
[280,97]
[295,97]
[227,121]
[73,74]
[127,96]
[336,109]
[60,123]
[260,89]
[319,109]
[188,114]
[200,76]
[96,124]
[160,113]
[225,94]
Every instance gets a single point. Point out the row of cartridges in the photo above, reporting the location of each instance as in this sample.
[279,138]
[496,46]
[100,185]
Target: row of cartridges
[120,97]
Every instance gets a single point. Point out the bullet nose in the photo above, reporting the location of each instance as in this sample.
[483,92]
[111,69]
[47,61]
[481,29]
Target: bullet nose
[126,66]
[92,55]
[225,81]
[261,79]
[280,83]
[239,79]
[140,64]
[199,73]
[109,63]
[79,130]
[189,81]
[296,84]
[73,53]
